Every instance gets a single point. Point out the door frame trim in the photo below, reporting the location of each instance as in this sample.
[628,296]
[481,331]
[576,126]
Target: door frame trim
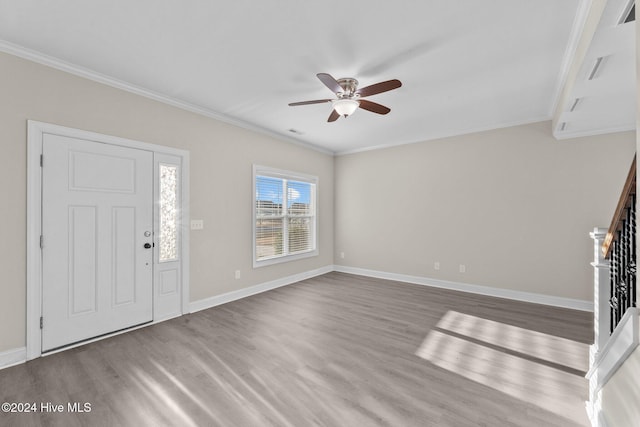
[35,134]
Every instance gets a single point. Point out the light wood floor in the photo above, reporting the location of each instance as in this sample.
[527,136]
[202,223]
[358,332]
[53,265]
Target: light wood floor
[336,350]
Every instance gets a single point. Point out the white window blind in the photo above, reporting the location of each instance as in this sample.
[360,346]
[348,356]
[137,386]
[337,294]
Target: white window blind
[284,216]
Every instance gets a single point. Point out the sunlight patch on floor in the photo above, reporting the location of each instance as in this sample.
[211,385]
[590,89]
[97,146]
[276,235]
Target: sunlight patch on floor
[521,363]
[556,350]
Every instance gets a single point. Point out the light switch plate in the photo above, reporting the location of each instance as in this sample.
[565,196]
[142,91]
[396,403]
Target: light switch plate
[197,224]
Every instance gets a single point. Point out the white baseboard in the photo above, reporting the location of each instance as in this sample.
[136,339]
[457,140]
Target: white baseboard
[456,286]
[203,304]
[19,355]
[474,289]
[13,357]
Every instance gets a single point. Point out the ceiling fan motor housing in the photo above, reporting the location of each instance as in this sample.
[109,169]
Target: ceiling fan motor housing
[349,87]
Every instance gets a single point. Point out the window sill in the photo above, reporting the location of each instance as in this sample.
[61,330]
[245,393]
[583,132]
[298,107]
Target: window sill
[282,259]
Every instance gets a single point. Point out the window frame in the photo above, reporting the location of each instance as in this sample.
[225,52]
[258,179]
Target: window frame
[285,175]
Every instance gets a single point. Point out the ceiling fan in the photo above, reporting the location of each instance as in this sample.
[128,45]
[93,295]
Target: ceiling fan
[350,97]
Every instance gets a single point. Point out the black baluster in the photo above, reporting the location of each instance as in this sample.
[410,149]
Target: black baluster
[620,250]
[624,286]
[632,242]
[618,278]
[613,302]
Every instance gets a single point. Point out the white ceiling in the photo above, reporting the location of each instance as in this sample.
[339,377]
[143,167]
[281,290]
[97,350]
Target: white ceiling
[604,100]
[465,65]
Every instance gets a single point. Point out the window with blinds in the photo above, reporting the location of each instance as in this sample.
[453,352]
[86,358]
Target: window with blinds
[284,216]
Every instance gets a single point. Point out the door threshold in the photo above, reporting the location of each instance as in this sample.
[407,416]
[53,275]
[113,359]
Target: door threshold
[96,338]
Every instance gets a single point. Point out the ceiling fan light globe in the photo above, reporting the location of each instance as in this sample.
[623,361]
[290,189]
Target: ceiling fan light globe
[345,107]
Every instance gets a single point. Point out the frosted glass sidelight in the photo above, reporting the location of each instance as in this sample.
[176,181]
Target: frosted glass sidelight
[168,213]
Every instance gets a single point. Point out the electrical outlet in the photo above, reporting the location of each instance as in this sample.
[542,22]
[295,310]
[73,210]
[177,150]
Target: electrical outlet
[197,224]
[342,255]
[436,265]
[463,268]
[237,274]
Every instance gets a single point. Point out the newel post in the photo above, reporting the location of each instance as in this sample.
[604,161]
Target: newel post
[600,290]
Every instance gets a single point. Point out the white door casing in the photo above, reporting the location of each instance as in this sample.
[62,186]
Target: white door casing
[97,207]
[175,295]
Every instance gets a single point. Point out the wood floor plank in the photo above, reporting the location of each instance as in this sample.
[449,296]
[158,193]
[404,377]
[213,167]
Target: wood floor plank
[335,350]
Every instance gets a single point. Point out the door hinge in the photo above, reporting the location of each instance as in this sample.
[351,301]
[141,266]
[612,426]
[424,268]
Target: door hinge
[41,160]
[41,241]
[41,322]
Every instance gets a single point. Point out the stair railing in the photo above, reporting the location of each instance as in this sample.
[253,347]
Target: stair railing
[619,248]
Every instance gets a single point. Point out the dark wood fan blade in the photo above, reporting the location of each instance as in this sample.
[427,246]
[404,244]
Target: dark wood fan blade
[317,101]
[333,116]
[379,88]
[330,82]
[373,107]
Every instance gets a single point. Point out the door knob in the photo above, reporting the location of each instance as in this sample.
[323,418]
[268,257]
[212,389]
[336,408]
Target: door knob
[147,245]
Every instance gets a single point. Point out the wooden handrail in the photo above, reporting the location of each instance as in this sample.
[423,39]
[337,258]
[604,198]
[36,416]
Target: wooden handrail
[628,190]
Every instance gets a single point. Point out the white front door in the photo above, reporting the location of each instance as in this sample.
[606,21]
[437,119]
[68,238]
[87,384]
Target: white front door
[97,218]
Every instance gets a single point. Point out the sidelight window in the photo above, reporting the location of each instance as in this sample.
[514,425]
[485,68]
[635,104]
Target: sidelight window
[168,240]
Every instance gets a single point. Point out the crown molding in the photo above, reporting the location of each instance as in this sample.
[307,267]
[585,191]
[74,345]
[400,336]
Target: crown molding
[449,135]
[77,70]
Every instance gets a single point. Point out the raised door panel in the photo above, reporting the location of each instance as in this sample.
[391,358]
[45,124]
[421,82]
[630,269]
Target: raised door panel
[97,211]
[82,260]
[123,269]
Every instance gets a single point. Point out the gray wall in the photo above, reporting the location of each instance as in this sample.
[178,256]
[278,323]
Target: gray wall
[513,205]
[221,169]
